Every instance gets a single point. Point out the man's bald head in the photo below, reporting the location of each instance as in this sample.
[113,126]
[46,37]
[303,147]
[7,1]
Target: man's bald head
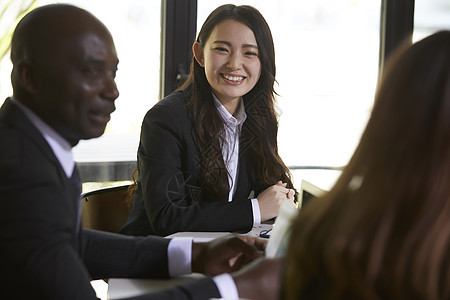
[41,32]
[64,66]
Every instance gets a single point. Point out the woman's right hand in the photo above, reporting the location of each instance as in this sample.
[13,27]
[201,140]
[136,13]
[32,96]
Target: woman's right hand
[271,199]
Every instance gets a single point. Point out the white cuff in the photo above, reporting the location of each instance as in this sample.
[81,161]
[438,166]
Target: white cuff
[256,213]
[179,256]
[226,286]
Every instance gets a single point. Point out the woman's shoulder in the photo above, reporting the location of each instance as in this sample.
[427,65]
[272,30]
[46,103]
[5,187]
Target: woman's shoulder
[175,100]
[172,106]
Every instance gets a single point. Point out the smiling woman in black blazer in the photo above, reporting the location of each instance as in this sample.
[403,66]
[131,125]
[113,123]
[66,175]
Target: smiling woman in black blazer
[208,157]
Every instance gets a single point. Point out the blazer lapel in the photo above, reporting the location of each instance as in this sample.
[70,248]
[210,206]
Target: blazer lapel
[244,174]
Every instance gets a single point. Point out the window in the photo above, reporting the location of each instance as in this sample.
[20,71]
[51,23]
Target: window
[135,27]
[430,16]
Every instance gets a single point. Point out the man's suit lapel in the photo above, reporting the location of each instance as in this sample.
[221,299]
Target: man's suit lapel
[13,115]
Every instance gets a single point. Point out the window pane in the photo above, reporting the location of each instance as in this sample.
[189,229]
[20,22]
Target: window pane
[327,66]
[430,16]
[135,26]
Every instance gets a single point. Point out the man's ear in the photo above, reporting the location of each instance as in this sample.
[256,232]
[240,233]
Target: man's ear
[198,53]
[24,76]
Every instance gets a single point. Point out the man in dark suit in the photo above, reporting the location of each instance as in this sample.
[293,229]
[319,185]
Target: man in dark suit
[64,65]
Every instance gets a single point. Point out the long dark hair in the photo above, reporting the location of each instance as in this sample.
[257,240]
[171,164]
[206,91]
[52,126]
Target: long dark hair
[383,231]
[261,127]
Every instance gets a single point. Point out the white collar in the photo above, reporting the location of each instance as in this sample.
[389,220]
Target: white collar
[239,116]
[60,146]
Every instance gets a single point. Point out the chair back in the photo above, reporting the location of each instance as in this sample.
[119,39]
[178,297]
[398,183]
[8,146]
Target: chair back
[105,209]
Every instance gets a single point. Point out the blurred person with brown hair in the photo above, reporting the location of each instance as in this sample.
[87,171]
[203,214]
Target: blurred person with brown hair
[383,231]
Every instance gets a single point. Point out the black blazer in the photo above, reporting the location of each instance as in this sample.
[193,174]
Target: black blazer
[43,254]
[166,198]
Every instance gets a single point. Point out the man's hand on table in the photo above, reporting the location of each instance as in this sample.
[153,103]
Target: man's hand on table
[227,254]
[260,280]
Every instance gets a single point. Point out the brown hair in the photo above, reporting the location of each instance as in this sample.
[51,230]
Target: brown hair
[383,231]
[261,127]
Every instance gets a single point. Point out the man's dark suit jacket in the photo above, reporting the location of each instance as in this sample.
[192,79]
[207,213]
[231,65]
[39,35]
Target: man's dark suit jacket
[43,254]
[166,198]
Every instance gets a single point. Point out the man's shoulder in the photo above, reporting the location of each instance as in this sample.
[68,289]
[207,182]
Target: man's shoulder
[22,145]
[11,137]
[17,132]
[17,154]
[11,141]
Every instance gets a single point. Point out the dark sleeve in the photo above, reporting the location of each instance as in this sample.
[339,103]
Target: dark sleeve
[202,289]
[169,168]
[39,243]
[139,257]
[108,255]
[38,249]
